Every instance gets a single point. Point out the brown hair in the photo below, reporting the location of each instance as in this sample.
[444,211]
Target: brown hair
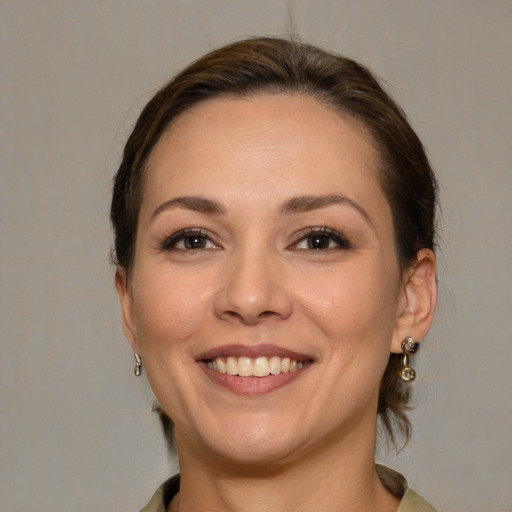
[273,65]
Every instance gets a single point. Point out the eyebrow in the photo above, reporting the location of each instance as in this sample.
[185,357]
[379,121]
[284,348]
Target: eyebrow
[194,203]
[301,204]
[297,204]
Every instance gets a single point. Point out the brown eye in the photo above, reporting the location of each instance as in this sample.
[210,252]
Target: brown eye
[322,239]
[188,240]
[194,242]
[319,242]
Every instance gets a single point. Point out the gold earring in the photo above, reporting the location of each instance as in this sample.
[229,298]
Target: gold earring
[407,374]
[138,365]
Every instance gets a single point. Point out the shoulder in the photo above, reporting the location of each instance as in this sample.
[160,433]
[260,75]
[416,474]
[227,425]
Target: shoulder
[397,484]
[413,502]
[163,495]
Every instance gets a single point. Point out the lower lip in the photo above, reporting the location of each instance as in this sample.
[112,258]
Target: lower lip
[252,386]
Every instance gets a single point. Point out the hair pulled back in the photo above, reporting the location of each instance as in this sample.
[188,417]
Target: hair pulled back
[274,65]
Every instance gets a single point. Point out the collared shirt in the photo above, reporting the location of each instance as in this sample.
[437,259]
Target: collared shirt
[393,481]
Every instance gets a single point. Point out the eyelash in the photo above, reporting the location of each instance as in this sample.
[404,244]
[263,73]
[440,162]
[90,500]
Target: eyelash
[323,233]
[171,242]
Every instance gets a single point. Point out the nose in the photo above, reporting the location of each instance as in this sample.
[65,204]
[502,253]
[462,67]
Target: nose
[253,289]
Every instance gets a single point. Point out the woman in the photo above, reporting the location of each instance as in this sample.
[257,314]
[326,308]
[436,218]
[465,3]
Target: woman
[274,236]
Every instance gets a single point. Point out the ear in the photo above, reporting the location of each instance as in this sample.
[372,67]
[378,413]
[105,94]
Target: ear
[417,302]
[126,301]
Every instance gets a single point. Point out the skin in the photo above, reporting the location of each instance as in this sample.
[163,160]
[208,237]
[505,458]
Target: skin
[308,445]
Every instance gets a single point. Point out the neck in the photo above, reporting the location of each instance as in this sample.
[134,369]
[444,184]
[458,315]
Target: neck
[338,476]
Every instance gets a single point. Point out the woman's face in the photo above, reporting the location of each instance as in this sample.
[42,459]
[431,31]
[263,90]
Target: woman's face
[265,246]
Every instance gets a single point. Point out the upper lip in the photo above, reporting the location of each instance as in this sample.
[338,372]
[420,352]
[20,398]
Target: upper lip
[262,350]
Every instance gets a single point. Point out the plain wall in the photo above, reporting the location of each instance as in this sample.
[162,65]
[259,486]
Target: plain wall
[77,431]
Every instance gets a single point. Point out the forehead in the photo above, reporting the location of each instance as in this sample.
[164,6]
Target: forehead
[262,115]
[270,137]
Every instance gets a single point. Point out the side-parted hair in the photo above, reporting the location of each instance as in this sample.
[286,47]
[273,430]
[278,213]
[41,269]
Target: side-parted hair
[270,65]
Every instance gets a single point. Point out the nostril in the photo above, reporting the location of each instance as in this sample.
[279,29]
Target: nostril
[251,295]
[248,317]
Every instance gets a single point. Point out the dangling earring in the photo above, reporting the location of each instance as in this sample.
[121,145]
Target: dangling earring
[407,374]
[138,365]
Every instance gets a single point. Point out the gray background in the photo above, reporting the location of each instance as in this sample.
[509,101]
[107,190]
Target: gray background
[77,432]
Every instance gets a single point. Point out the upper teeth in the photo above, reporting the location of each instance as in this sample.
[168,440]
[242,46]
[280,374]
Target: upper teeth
[254,367]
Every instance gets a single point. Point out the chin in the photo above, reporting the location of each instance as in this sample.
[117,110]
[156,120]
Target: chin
[254,453]
[254,444]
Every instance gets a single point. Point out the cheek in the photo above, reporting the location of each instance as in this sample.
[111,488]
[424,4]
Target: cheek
[168,308]
[354,302]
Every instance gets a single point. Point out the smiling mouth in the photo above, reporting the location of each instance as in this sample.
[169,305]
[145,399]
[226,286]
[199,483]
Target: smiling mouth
[254,366]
